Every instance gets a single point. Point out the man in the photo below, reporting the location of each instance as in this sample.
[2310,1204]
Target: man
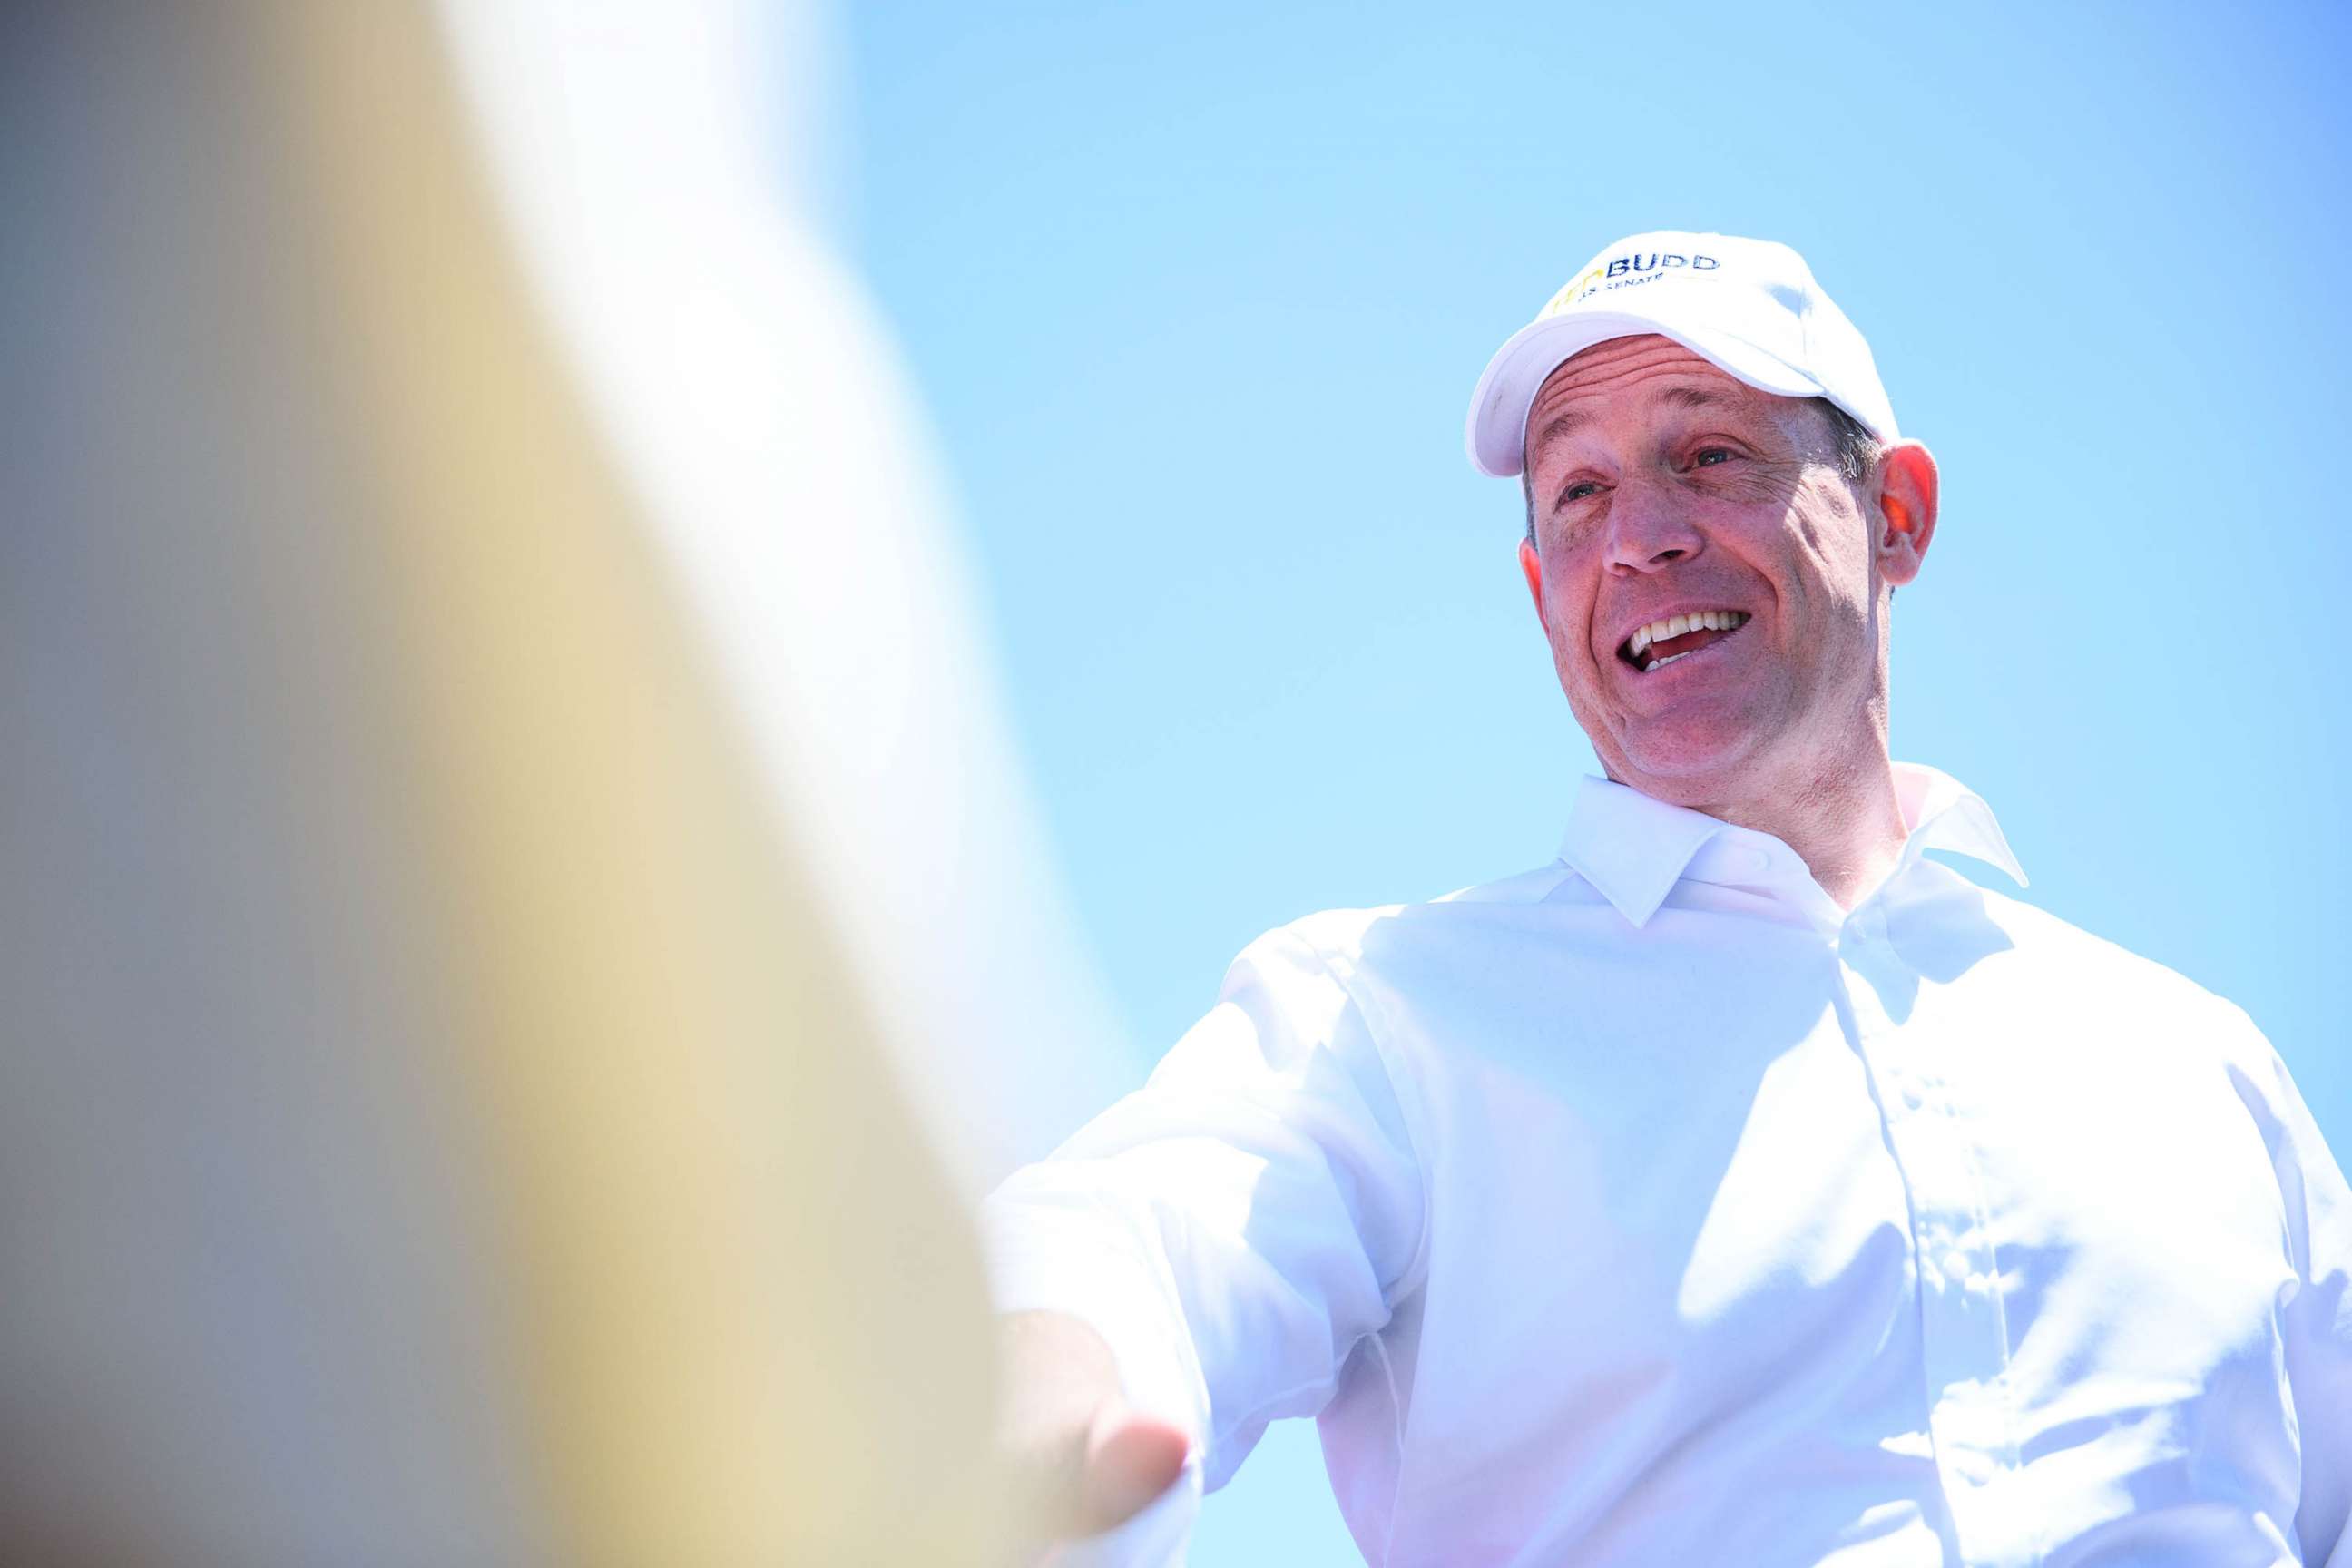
[1743,1186]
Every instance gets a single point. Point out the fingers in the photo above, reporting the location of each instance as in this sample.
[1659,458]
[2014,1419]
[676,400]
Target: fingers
[1131,1460]
[1081,1459]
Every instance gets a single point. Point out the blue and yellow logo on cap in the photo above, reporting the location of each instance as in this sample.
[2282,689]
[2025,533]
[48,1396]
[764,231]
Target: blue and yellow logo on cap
[1622,272]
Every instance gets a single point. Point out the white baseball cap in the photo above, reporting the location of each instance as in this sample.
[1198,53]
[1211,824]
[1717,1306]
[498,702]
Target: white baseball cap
[1750,305]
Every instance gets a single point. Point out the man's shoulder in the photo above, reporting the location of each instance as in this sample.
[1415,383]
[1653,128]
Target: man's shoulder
[1343,936]
[2099,966]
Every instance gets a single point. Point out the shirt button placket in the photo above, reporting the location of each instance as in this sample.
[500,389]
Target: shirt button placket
[1964,1349]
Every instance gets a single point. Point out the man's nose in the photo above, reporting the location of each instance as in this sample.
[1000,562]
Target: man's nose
[1649,527]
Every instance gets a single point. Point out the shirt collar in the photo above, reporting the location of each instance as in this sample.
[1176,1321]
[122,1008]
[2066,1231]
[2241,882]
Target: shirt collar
[1634,849]
[1630,847]
[1945,813]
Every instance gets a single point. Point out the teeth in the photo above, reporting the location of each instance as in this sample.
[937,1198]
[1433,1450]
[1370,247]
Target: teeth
[1675,627]
[1678,626]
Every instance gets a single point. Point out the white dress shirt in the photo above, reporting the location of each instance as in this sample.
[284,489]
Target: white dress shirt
[1651,1209]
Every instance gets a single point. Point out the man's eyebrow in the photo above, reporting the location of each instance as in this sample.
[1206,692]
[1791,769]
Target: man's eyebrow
[1558,425]
[1696,397]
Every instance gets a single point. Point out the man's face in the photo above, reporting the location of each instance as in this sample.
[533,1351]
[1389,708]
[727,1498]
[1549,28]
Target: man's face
[1665,489]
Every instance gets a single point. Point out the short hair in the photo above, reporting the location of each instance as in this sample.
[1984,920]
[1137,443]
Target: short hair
[1855,448]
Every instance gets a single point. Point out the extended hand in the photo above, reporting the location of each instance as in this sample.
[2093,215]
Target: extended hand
[1084,1459]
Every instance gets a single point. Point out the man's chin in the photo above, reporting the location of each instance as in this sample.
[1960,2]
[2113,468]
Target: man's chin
[1695,766]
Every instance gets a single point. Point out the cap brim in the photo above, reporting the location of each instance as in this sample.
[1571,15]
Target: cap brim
[1495,435]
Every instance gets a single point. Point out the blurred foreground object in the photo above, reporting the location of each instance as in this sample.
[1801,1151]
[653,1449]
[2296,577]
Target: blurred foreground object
[658,162]
[439,1123]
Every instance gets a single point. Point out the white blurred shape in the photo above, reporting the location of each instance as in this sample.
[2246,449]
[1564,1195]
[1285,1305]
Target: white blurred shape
[656,160]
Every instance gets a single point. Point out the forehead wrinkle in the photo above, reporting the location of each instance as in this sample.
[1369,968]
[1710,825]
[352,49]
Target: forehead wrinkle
[1634,367]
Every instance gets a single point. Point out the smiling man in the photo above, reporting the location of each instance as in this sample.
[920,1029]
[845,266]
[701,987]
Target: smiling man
[1704,563]
[1743,1184]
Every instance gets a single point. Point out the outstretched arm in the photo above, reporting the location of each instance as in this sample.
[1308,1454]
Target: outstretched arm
[1203,1257]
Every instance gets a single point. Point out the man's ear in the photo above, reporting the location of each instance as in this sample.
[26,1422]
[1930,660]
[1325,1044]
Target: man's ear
[1531,568]
[1904,488]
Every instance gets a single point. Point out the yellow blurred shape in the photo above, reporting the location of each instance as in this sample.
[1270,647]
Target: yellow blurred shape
[633,1135]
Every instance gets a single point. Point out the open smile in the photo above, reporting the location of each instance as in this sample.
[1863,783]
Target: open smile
[1659,644]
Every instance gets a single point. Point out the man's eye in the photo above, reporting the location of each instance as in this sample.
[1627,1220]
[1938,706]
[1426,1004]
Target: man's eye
[1712,456]
[1578,490]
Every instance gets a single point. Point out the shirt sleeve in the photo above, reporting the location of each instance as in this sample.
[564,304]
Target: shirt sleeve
[1235,1226]
[2317,1317]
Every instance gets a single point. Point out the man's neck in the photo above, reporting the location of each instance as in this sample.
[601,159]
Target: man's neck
[1846,824]
[1845,820]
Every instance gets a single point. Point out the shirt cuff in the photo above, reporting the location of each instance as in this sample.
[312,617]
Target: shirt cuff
[1052,1258]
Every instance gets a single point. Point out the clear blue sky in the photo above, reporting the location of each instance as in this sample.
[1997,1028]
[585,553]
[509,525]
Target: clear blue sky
[1196,295]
